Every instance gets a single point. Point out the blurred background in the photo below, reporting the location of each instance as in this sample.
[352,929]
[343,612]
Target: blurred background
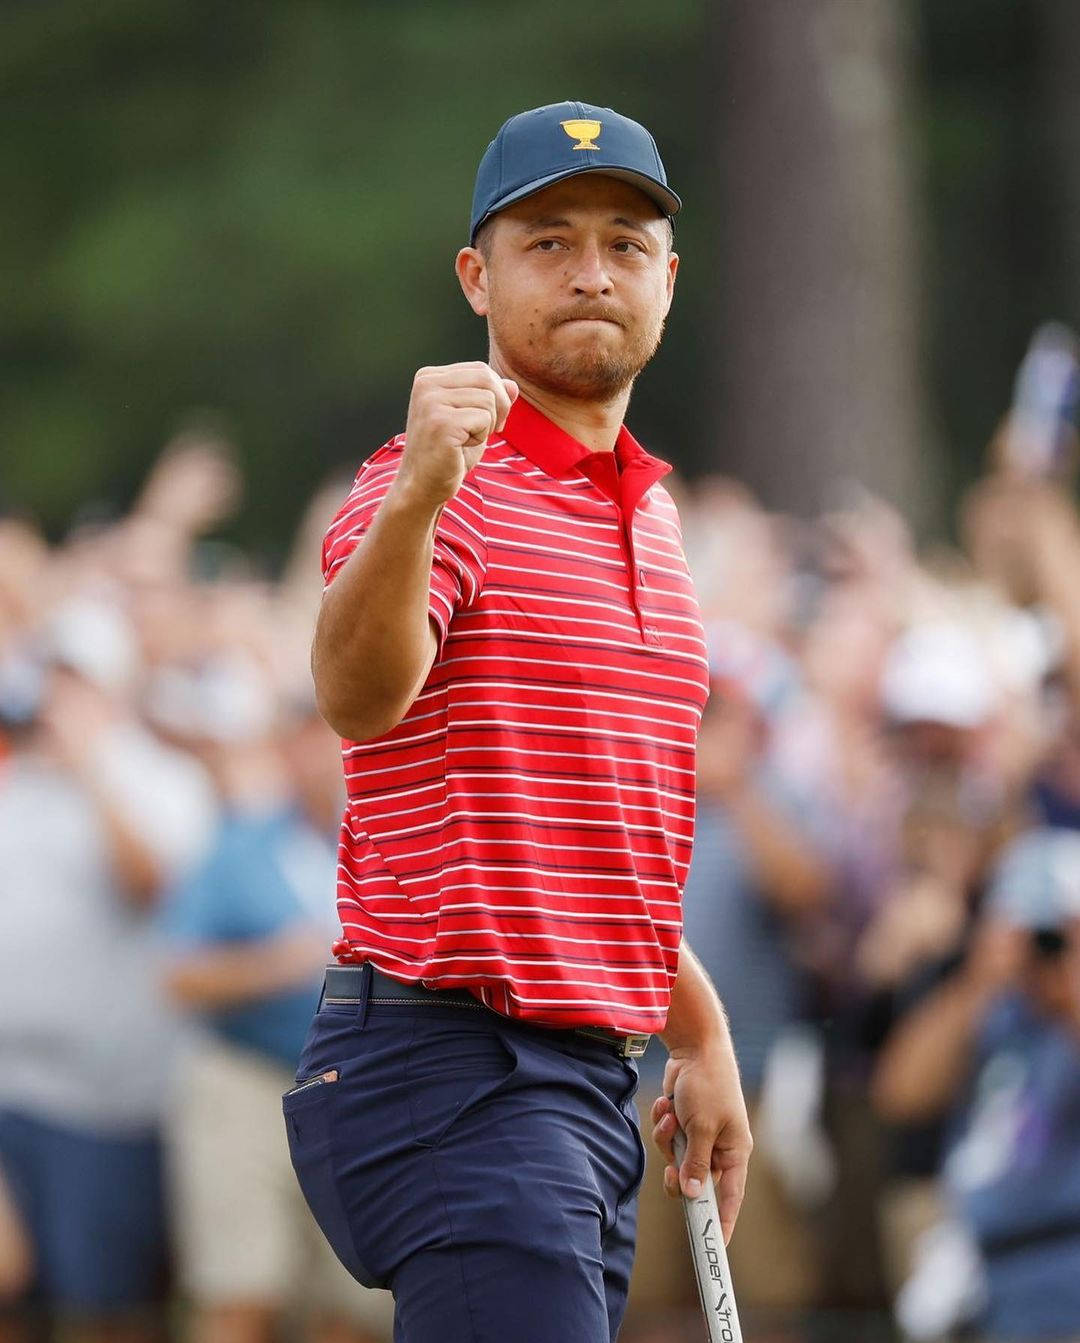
[227,242]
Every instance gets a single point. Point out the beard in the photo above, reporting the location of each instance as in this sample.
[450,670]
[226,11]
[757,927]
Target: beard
[595,371]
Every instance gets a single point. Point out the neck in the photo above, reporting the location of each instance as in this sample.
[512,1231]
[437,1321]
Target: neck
[596,424]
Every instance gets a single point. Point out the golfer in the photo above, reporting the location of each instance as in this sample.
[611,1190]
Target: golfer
[510,646]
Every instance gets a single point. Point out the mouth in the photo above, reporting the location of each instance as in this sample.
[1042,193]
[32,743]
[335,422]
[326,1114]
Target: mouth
[590,321]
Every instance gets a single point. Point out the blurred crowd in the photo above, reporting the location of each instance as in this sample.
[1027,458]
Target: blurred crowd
[169,805]
[885,889]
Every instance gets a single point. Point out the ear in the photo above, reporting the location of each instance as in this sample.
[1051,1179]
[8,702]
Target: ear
[672,269]
[471,270]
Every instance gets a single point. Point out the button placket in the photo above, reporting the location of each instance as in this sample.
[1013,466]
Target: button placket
[639,578]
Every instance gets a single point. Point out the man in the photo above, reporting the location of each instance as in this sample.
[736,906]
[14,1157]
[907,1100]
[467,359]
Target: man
[247,931]
[96,817]
[994,1048]
[510,646]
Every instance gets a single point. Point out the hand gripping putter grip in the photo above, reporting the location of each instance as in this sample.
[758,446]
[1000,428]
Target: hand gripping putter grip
[710,1257]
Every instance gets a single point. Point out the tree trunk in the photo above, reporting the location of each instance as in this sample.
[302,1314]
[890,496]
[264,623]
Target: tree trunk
[1060,24]
[819,379]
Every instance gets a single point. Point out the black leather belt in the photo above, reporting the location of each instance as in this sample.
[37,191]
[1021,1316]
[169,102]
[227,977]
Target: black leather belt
[345,984]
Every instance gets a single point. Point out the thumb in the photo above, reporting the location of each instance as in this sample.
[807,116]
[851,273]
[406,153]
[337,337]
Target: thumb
[695,1167]
[511,389]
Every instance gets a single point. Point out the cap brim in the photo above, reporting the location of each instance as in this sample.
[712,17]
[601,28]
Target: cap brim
[663,196]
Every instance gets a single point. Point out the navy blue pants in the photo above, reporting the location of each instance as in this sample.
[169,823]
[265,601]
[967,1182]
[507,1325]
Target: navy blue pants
[93,1206]
[485,1171]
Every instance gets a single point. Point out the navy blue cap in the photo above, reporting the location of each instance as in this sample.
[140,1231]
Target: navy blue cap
[534,149]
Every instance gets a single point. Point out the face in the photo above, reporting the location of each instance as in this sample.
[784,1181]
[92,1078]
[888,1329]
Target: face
[575,283]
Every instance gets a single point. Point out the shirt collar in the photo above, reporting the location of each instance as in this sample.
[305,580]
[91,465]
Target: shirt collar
[556,452]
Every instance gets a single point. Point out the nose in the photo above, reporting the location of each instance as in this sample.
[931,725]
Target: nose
[590,276]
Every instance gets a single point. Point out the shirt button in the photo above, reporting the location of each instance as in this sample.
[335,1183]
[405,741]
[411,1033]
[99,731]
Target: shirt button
[642,577]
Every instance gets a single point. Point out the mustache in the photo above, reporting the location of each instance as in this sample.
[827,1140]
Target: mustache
[601,312]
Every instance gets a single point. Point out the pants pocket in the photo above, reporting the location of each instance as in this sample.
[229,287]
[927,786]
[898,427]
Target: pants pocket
[453,1070]
[308,1111]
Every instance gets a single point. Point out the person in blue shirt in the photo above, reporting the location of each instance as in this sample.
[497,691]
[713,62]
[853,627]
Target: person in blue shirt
[997,1049]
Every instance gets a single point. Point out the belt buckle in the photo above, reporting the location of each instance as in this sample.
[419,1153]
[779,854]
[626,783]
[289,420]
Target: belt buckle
[633,1046]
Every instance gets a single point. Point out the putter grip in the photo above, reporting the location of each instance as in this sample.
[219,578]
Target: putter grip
[710,1258]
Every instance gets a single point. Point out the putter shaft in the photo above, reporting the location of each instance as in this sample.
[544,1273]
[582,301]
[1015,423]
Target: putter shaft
[710,1258]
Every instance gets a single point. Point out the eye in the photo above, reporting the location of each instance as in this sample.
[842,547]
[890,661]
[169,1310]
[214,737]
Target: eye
[627,246]
[548,245]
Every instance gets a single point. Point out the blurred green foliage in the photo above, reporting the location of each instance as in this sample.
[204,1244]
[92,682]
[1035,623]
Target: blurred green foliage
[994,268]
[254,208]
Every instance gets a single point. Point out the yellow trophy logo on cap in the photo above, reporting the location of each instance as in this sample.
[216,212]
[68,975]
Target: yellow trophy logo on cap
[584,132]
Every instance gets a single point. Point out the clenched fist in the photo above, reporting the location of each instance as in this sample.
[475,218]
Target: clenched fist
[453,411]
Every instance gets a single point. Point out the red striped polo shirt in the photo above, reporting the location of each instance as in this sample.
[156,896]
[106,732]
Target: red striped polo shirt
[525,830]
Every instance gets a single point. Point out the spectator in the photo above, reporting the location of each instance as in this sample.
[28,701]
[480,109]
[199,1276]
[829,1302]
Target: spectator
[759,873]
[840,865]
[761,877]
[997,1047]
[95,817]
[250,930]
[943,708]
[840,754]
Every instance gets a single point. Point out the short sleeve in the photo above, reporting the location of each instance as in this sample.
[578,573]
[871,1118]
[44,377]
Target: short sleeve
[459,563]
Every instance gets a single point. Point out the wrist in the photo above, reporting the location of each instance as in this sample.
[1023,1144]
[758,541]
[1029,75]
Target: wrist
[410,498]
[709,1039]
[712,1057]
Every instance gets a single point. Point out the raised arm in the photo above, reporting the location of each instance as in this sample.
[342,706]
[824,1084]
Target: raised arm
[375,642]
[928,1056]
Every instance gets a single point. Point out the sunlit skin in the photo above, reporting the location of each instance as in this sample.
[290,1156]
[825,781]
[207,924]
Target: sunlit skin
[575,283]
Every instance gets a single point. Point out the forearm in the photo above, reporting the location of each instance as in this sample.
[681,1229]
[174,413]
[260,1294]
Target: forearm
[790,875]
[228,976]
[696,1016]
[374,644]
[702,1094]
[927,1058]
